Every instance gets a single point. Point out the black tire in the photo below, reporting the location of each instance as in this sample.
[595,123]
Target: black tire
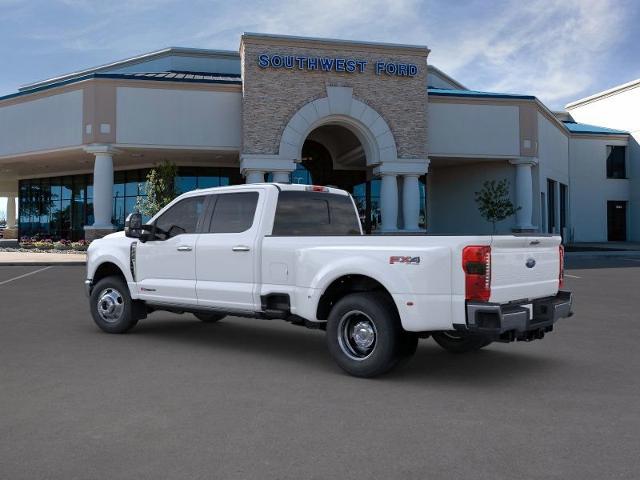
[111,305]
[379,321]
[456,342]
[409,345]
[209,317]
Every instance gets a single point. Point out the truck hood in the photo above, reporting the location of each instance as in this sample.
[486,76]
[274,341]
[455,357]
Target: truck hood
[115,234]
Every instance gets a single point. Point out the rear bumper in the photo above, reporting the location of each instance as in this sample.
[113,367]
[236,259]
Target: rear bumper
[517,321]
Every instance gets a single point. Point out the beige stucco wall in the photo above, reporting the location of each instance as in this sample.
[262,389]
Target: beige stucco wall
[50,122]
[459,129]
[272,96]
[178,117]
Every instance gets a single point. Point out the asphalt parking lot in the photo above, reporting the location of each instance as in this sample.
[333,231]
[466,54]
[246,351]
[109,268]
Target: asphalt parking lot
[252,399]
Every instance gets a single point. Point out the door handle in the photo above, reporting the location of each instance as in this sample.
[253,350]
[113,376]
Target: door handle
[240,248]
[184,248]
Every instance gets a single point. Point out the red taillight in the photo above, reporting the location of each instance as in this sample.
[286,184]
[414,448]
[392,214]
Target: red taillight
[476,263]
[561,273]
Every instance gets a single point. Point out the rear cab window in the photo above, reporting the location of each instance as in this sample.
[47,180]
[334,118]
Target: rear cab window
[315,213]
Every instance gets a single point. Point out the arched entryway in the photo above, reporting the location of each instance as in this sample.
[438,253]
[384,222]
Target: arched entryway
[333,155]
[341,141]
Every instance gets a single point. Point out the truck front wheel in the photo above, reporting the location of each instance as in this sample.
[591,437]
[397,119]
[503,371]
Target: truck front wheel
[364,335]
[455,342]
[111,305]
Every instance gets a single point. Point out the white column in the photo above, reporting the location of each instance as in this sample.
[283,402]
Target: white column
[524,192]
[254,176]
[102,186]
[103,190]
[389,202]
[411,201]
[281,177]
[11,212]
[254,166]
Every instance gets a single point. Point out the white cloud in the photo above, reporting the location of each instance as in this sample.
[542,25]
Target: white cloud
[548,48]
[554,49]
[350,19]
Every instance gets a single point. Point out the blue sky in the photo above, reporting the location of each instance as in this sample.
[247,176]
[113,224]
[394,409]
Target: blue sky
[558,50]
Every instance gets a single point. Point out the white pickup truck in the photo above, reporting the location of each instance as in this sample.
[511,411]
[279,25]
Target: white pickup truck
[297,253]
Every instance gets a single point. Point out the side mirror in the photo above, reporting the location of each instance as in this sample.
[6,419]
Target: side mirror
[133,225]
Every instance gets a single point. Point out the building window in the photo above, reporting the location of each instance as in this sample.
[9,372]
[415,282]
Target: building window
[54,207]
[564,201]
[422,221]
[551,206]
[60,207]
[616,161]
[543,214]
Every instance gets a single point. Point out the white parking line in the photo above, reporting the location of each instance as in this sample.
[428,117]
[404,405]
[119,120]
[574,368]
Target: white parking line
[571,276]
[25,275]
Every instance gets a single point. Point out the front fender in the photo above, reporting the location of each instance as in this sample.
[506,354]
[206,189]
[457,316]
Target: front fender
[104,251]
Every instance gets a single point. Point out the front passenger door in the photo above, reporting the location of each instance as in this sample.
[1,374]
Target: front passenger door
[166,269]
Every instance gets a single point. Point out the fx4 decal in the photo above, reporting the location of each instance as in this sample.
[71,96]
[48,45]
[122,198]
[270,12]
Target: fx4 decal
[406,260]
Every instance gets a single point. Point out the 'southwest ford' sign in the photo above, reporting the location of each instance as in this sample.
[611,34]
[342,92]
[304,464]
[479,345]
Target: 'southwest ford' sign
[330,64]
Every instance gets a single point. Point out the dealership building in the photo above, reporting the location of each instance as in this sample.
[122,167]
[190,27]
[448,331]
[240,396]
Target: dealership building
[410,143]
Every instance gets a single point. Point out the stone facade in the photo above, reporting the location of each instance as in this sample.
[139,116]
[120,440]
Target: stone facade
[272,96]
[10,233]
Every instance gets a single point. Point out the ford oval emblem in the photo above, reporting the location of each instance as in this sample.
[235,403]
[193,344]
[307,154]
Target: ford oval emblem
[531,262]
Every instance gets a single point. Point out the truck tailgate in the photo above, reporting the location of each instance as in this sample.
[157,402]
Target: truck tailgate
[524,267]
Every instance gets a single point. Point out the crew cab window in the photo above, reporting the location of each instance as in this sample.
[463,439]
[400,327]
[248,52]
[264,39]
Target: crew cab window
[182,217]
[309,213]
[233,212]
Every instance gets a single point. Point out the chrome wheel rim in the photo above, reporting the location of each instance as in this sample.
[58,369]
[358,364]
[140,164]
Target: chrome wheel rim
[110,305]
[357,335]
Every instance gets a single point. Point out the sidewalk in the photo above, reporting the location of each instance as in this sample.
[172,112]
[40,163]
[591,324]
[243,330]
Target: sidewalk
[37,259]
[605,246]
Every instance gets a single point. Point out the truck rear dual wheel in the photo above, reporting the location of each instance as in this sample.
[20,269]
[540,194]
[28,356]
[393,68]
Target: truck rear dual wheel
[111,305]
[456,342]
[364,335]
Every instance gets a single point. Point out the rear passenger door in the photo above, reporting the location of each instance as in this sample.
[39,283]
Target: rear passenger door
[227,252]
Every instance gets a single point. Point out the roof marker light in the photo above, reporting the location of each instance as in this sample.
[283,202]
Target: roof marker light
[316,188]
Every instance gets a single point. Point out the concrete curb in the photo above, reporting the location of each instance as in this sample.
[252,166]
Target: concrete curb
[611,253]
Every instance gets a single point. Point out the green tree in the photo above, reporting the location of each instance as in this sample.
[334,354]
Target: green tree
[494,203]
[160,189]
